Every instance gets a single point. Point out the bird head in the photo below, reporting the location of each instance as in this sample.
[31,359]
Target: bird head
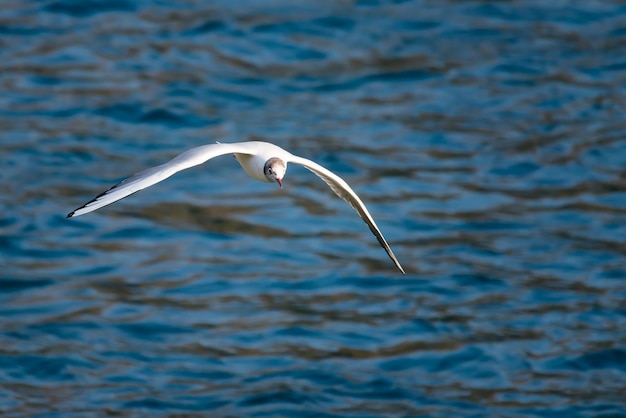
[274,170]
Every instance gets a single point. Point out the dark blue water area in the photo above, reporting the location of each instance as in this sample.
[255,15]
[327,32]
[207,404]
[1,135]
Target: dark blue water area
[486,138]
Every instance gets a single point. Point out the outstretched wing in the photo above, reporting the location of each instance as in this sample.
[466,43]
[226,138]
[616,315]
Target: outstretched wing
[344,191]
[147,178]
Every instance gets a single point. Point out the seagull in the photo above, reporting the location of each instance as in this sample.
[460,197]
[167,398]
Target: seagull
[261,160]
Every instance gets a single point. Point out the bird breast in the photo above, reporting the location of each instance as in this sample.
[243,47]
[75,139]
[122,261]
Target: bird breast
[253,165]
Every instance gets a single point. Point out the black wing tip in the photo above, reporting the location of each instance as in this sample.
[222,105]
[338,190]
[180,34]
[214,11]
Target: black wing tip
[396,262]
[72,213]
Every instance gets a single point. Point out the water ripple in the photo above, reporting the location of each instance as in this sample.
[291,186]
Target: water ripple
[486,139]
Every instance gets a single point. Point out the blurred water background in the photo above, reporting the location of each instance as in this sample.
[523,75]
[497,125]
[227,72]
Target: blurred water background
[486,137]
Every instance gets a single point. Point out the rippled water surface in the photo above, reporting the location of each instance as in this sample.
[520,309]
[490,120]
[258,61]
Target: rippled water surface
[487,139]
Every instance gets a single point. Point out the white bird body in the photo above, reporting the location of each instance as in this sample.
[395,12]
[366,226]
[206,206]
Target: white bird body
[254,163]
[253,166]
[260,160]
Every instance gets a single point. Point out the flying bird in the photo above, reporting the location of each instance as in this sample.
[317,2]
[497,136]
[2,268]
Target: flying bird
[261,160]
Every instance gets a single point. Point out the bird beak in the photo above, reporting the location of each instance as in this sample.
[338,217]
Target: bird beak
[280,182]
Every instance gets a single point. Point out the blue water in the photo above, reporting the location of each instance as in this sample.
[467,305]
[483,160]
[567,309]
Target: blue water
[487,139]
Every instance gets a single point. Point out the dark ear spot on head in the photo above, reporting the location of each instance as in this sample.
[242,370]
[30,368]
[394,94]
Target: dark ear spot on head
[267,169]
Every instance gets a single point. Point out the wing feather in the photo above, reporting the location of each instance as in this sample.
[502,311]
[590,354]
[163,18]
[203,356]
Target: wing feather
[151,176]
[344,191]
